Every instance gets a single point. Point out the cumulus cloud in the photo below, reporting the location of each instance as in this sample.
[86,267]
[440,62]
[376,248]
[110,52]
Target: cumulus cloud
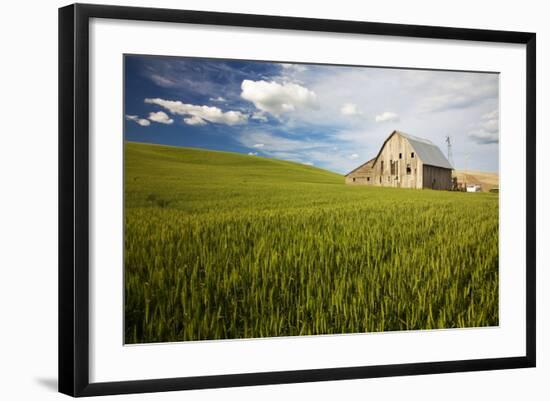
[194,120]
[354,156]
[218,99]
[486,131]
[141,121]
[350,109]
[252,153]
[160,117]
[308,163]
[387,116]
[276,99]
[258,145]
[200,115]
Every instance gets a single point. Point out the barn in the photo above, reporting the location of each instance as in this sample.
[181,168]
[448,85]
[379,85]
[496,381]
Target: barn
[405,161]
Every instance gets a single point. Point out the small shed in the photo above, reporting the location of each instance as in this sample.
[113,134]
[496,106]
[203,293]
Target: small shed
[473,188]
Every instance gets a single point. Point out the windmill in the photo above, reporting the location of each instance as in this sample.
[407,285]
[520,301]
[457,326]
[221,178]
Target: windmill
[449,150]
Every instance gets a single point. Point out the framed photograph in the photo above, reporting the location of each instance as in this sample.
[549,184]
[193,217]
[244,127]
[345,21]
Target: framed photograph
[250,199]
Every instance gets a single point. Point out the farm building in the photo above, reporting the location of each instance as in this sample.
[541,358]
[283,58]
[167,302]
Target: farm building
[405,161]
[473,188]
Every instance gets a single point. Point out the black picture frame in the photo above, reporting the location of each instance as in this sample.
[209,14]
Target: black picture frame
[74,198]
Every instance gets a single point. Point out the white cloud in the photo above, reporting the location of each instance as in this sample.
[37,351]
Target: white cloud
[308,163]
[218,99]
[200,115]
[276,98]
[483,137]
[491,115]
[260,116]
[354,156]
[252,153]
[295,67]
[160,117]
[387,116]
[486,131]
[490,125]
[141,121]
[194,120]
[350,109]
[163,81]
[258,145]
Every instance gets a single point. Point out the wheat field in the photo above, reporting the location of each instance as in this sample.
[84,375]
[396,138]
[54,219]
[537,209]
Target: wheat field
[221,245]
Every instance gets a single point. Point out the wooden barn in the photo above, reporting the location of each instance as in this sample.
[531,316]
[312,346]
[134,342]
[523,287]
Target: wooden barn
[405,161]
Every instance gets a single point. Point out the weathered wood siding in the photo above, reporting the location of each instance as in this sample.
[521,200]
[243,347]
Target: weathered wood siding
[407,167]
[363,175]
[437,177]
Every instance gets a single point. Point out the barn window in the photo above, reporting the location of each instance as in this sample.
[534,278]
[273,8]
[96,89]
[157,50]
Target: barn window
[392,167]
[389,178]
[382,166]
[400,155]
[412,155]
[408,169]
[353,179]
[368,178]
[380,180]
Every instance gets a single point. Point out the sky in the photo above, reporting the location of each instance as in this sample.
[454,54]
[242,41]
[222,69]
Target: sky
[332,117]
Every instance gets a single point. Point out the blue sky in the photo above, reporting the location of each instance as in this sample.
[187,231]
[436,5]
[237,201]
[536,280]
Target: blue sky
[332,117]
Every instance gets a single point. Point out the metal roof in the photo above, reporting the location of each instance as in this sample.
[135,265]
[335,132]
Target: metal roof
[371,161]
[427,151]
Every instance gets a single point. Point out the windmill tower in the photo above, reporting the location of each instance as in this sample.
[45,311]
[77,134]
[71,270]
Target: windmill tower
[449,150]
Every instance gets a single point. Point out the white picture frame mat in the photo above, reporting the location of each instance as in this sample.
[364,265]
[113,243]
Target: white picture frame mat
[110,360]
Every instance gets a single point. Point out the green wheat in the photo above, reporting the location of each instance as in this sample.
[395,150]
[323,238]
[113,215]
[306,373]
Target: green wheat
[221,245]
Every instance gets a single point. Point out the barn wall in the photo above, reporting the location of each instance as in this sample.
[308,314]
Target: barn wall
[437,177]
[391,151]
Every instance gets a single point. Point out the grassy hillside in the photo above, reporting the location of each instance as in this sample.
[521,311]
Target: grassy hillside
[193,179]
[223,245]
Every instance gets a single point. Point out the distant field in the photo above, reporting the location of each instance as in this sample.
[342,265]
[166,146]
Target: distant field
[486,180]
[222,245]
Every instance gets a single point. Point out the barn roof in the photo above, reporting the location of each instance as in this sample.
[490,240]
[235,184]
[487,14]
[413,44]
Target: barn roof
[371,161]
[427,151]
